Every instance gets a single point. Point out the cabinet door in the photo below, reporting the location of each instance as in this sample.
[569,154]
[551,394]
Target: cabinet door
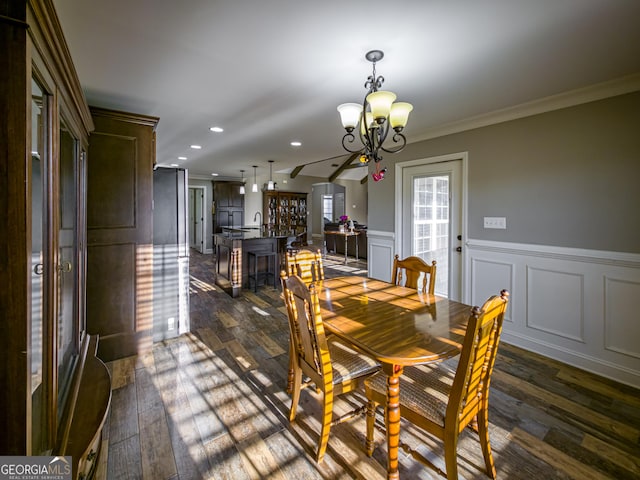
[40,440]
[227,195]
[236,199]
[120,233]
[222,194]
[270,209]
[70,262]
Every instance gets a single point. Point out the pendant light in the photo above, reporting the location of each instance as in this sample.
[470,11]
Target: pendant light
[242,186]
[254,187]
[270,185]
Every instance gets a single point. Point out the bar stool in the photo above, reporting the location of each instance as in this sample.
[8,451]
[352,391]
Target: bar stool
[254,269]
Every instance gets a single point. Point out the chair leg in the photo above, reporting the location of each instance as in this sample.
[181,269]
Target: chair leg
[451,455]
[371,420]
[483,432]
[290,374]
[295,397]
[327,417]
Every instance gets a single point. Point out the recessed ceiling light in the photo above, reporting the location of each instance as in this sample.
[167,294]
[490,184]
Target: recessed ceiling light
[217,129]
[296,144]
[175,165]
[196,147]
[214,174]
[182,158]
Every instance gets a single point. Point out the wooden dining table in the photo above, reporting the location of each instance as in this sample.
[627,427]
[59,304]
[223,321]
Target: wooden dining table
[395,325]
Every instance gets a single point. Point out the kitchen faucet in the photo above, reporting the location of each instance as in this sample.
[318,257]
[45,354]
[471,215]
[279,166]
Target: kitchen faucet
[256,216]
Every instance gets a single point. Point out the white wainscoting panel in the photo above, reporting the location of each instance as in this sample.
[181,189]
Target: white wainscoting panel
[622,318]
[490,277]
[574,305]
[380,251]
[552,296]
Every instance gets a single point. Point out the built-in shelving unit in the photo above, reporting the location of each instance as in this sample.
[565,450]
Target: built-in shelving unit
[285,211]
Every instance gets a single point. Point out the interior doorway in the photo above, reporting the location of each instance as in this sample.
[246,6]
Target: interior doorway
[196,218]
[429,217]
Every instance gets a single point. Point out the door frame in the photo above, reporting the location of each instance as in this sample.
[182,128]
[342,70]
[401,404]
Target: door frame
[204,219]
[399,221]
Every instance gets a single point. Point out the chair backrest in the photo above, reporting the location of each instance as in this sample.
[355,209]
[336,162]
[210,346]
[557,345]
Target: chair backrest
[477,358]
[307,330]
[410,269]
[306,264]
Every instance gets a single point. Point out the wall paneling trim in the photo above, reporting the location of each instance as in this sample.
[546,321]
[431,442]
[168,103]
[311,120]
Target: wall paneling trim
[574,305]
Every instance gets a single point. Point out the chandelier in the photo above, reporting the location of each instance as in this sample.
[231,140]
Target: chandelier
[377,114]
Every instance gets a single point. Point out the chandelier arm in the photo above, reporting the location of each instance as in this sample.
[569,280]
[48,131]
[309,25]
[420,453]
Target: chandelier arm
[368,136]
[383,130]
[397,138]
[349,138]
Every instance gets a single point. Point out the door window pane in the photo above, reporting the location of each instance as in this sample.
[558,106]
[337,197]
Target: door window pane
[327,208]
[431,228]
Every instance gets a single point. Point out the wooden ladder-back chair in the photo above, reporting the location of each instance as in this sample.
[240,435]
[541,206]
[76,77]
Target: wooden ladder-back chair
[332,367]
[306,264]
[410,270]
[444,399]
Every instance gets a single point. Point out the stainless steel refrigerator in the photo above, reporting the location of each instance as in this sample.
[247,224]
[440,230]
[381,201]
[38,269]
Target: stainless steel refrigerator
[170,253]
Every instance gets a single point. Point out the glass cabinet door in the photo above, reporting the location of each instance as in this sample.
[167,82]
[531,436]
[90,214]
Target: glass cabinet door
[56,266]
[67,305]
[39,104]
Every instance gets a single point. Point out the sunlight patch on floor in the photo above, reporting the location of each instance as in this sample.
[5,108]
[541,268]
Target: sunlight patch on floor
[197,284]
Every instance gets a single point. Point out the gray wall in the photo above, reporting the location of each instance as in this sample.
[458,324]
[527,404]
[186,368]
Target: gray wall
[355,203]
[567,178]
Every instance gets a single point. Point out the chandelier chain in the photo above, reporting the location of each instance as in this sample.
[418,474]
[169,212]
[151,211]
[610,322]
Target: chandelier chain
[373,83]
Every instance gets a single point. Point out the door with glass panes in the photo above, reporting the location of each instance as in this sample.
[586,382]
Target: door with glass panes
[431,220]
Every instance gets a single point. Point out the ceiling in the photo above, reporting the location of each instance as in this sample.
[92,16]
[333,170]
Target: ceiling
[273,72]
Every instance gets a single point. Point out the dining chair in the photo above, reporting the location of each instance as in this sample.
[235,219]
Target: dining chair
[332,367]
[410,269]
[443,398]
[306,264]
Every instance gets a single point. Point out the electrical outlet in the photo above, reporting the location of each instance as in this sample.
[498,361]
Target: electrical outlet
[495,222]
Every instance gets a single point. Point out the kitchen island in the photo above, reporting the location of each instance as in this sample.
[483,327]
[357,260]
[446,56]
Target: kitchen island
[231,247]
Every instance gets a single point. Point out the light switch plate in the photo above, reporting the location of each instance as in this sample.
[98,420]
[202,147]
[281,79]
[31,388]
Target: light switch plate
[495,222]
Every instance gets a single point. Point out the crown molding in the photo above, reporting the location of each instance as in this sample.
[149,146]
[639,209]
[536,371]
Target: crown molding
[599,91]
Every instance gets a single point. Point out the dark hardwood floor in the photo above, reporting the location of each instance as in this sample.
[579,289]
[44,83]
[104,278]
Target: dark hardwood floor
[211,404]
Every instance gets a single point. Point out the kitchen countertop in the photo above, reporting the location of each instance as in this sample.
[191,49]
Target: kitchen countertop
[251,232]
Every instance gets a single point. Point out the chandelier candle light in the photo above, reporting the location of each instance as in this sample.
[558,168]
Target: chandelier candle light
[377,113]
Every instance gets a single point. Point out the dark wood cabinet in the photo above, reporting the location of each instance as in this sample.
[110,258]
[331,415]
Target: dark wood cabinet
[120,232]
[57,391]
[227,194]
[285,211]
[228,205]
